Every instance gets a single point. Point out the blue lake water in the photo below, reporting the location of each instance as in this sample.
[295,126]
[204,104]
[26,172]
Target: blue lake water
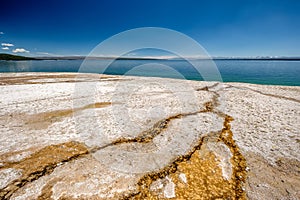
[250,71]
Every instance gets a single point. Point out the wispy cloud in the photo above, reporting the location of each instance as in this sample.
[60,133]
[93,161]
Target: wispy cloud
[132,54]
[7,44]
[47,54]
[5,48]
[20,50]
[43,53]
[1,33]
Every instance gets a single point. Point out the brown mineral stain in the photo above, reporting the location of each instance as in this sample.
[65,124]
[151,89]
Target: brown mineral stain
[204,179]
[4,158]
[47,192]
[200,165]
[41,163]
[203,173]
[44,119]
[238,160]
[59,78]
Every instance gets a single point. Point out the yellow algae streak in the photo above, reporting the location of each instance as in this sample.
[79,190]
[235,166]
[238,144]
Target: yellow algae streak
[204,179]
[202,171]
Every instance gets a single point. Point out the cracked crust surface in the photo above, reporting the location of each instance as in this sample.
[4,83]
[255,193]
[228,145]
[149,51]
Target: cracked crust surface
[91,136]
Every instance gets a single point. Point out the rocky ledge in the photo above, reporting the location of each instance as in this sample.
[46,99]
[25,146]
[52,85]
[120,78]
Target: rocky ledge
[89,136]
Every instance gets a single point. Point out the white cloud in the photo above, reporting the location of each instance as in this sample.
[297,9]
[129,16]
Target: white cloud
[20,50]
[7,45]
[5,48]
[1,33]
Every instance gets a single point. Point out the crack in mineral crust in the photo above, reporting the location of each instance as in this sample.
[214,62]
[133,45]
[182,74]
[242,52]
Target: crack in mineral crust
[41,163]
[213,189]
[266,94]
[206,88]
[214,185]
[144,137]
[148,135]
[235,188]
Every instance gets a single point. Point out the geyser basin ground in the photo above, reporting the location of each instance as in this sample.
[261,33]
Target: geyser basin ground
[89,136]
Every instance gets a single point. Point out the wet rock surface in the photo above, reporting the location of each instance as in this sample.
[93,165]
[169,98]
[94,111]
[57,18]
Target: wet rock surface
[89,136]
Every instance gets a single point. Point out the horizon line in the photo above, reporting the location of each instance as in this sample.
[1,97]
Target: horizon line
[102,57]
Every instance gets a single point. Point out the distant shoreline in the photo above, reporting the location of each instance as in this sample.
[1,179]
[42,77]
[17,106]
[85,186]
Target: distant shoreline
[10,57]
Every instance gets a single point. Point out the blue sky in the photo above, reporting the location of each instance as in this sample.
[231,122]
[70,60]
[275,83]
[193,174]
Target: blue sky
[223,28]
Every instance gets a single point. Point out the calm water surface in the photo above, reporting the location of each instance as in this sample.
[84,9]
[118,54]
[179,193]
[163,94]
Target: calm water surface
[250,71]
